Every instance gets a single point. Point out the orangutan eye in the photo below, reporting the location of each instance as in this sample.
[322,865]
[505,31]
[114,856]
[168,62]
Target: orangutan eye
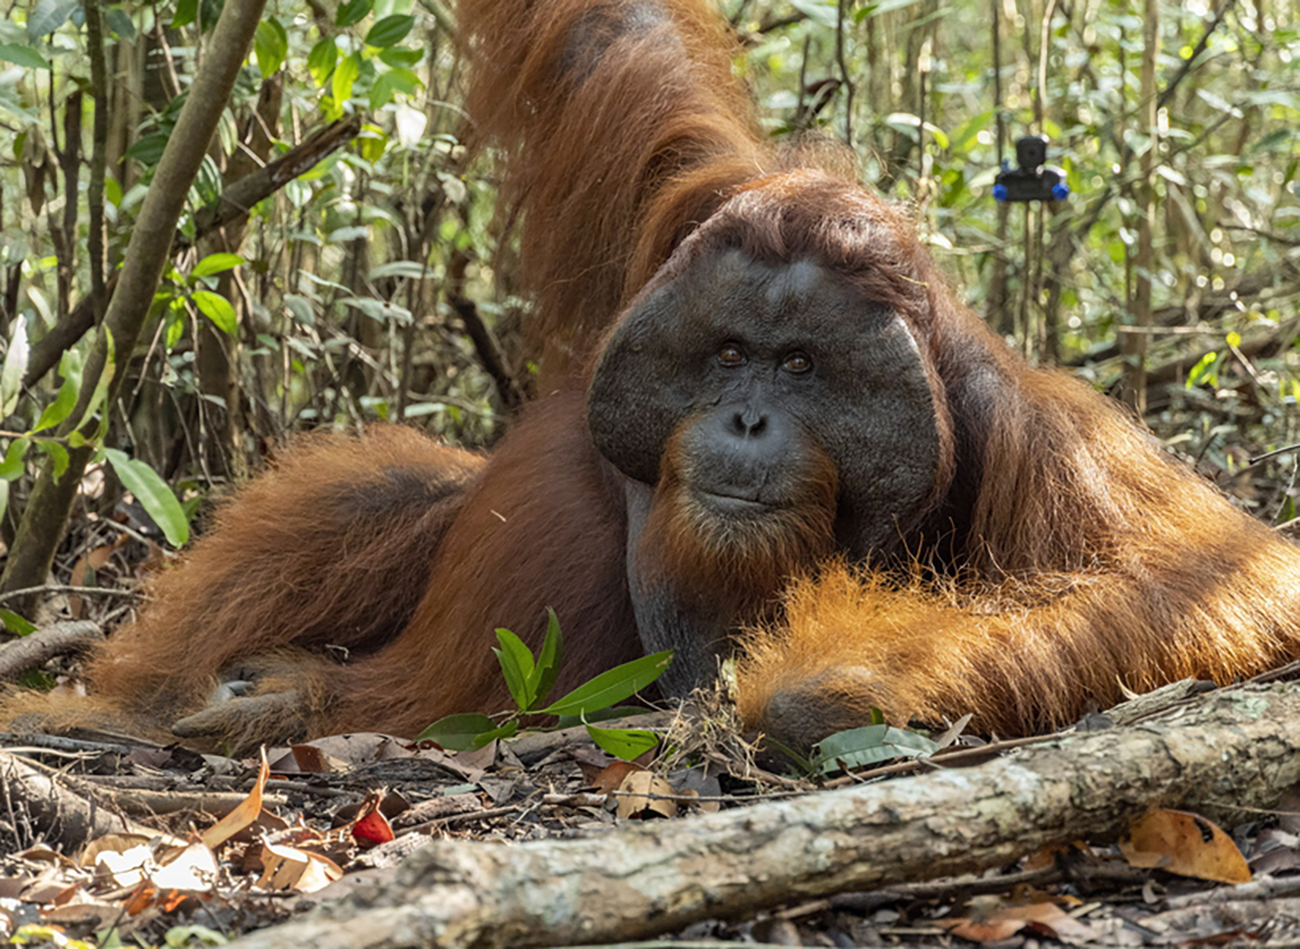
[731,356]
[797,362]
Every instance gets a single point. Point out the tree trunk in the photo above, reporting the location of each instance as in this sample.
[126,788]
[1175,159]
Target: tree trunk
[147,255]
[1134,345]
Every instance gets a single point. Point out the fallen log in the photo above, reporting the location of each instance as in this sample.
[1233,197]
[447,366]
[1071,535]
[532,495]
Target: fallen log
[1234,748]
[42,804]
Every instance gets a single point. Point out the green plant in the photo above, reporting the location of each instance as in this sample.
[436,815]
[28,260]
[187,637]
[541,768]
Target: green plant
[868,745]
[530,679]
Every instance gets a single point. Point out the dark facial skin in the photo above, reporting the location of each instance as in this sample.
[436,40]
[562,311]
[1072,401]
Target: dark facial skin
[765,416]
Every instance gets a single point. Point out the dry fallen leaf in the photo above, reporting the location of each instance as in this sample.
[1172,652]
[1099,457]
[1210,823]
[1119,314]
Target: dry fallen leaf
[635,800]
[1186,844]
[243,815]
[288,868]
[1046,918]
[990,930]
[126,867]
[193,867]
[611,777]
[371,827]
[110,843]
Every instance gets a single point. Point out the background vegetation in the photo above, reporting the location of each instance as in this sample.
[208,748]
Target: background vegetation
[338,262]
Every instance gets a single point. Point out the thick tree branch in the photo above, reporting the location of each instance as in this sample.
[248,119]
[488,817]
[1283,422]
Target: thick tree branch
[238,198]
[57,639]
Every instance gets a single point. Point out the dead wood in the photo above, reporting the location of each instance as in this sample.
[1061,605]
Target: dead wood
[1234,748]
[57,639]
[1230,915]
[239,197]
[51,810]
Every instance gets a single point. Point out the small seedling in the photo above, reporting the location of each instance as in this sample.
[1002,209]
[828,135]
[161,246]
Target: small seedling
[530,679]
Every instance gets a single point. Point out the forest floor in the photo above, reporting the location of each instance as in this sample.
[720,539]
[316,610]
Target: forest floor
[109,841]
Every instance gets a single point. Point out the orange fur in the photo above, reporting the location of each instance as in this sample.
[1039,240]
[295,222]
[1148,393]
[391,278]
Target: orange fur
[601,124]
[1056,556]
[1097,565]
[331,549]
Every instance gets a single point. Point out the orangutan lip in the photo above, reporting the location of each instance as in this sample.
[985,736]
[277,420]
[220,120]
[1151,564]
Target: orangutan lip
[733,502]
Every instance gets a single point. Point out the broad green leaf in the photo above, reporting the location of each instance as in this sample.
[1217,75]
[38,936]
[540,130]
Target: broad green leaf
[101,387]
[548,659]
[175,330]
[148,149]
[604,715]
[119,22]
[215,264]
[16,624]
[625,743]
[905,121]
[406,269]
[352,11]
[321,59]
[218,309]
[370,144]
[507,730]
[153,492]
[15,461]
[341,235]
[300,308]
[390,31]
[58,456]
[391,82]
[186,12]
[868,745]
[23,56]
[345,75]
[11,376]
[457,732]
[401,57]
[1273,138]
[48,15]
[613,686]
[186,937]
[71,364]
[877,9]
[517,665]
[271,45]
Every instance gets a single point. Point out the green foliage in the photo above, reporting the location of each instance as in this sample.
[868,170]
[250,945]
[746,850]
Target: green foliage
[868,745]
[334,306]
[530,679]
[152,492]
[270,46]
[218,309]
[610,688]
[390,31]
[194,935]
[16,624]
